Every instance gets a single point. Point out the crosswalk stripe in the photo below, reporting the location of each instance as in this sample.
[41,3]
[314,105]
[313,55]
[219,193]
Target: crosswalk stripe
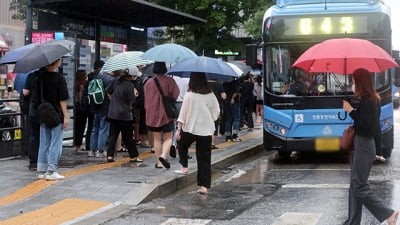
[178,221]
[298,219]
[315,186]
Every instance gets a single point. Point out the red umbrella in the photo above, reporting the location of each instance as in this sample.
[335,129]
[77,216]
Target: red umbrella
[345,55]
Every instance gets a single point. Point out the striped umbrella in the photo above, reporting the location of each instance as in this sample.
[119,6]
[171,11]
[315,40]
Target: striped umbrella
[124,60]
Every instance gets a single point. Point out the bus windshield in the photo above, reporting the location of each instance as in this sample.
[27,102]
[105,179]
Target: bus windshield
[284,80]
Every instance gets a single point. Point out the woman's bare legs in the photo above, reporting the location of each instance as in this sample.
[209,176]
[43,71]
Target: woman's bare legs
[157,146]
[166,145]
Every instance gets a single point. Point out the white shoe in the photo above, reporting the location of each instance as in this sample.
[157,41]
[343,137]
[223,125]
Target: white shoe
[41,175]
[91,154]
[54,176]
[101,154]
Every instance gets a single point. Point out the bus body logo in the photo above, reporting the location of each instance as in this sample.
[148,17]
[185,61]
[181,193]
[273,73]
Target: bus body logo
[327,130]
[299,118]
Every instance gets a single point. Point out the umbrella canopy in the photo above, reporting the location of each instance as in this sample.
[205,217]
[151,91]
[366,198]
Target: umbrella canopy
[124,60]
[14,55]
[343,56]
[43,55]
[235,68]
[242,66]
[214,68]
[170,53]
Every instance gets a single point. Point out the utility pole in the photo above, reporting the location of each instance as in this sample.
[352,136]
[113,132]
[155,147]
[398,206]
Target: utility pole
[28,22]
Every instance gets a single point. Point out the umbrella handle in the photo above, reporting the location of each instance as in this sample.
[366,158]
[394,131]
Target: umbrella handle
[340,118]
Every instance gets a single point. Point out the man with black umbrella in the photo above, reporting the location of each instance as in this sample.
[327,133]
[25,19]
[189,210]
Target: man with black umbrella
[52,88]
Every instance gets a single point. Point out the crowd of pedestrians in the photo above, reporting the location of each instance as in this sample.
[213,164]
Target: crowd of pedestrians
[133,113]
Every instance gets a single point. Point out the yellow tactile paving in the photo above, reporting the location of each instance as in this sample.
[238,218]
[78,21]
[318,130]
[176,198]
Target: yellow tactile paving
[39,185]
[57,213]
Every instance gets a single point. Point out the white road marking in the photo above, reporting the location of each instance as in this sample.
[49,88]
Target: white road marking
[277,170]
[298,219]
[237,175]
[315,186]
[178,221]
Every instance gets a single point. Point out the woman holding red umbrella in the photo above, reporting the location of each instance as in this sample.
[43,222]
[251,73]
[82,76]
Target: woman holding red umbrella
[367,126]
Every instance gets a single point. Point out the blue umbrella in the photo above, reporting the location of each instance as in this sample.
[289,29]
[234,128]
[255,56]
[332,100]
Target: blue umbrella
[215,69]
[14,55]
[170,53]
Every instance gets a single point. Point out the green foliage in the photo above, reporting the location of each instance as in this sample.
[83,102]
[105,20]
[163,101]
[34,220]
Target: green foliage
[253,25]
[222,16]
[18,8]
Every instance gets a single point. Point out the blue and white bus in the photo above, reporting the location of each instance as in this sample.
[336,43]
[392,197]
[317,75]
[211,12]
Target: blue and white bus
[314,120]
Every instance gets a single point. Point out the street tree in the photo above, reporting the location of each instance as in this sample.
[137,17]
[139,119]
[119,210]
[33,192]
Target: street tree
[223,17]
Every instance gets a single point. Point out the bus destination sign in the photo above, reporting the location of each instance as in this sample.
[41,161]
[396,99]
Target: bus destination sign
[320,25]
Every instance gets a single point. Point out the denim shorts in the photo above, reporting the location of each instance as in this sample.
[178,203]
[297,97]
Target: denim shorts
[165,128]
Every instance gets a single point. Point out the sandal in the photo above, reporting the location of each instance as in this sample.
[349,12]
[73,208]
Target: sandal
[158,167]
[181,172]
[136,160]
[110,159]
[214,147]
[122,149]
[380,158]
[165,162]
[199,191]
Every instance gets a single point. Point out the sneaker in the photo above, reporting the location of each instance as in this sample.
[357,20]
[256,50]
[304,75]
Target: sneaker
[54,176]
[102,154]
[91,154]
[235,138]
[41,175]
[228,138]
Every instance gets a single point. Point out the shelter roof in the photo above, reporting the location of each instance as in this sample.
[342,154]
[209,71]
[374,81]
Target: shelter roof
[119,12]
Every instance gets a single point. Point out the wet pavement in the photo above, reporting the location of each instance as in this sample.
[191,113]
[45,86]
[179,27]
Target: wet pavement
[95,191]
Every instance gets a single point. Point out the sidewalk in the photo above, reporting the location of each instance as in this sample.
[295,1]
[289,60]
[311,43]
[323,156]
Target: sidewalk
[94,187]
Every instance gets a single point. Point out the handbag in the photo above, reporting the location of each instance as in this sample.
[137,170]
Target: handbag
[169,103]
[346,142]
[47,113]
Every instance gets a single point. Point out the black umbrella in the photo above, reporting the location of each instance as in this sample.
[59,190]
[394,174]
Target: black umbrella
[43,55]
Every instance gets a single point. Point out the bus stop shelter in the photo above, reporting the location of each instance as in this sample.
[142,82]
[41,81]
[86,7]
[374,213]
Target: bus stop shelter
[125,13]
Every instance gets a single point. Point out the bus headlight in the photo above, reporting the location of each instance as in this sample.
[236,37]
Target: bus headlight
[396,94]
[269,124]
[275,127]
[283,131]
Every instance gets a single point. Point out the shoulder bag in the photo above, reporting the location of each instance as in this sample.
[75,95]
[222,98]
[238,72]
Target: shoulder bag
[346,142]
[47,113]
[169,103]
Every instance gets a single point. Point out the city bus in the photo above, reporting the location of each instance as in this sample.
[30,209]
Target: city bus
[313,120]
